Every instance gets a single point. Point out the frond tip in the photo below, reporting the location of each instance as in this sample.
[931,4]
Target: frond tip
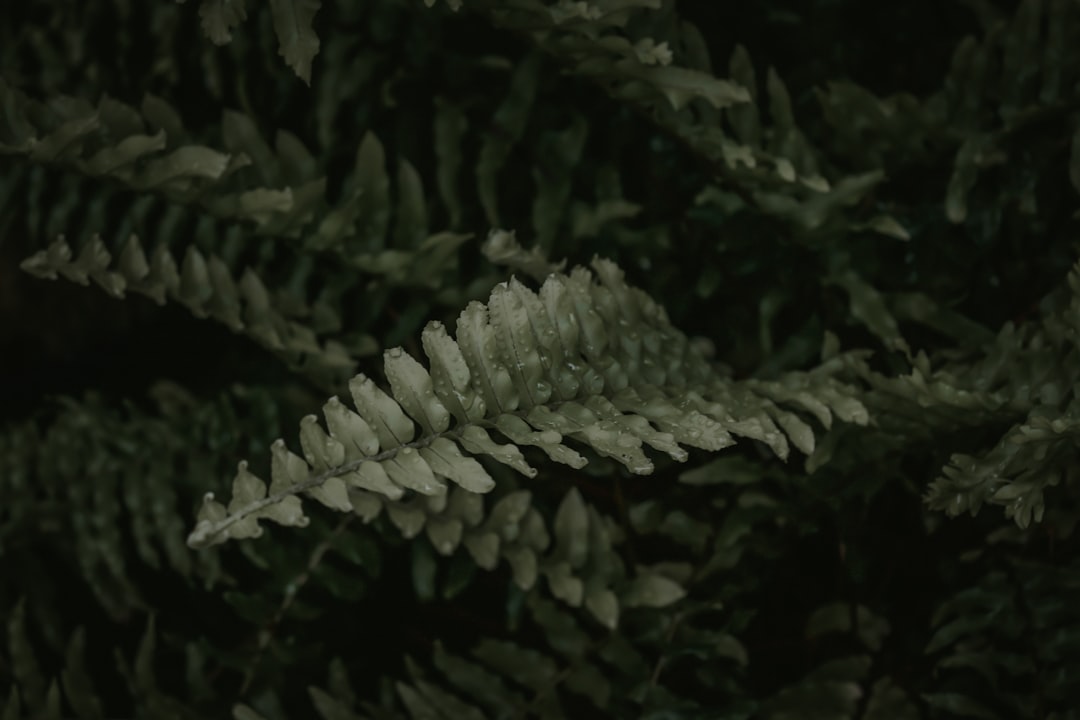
[588,359]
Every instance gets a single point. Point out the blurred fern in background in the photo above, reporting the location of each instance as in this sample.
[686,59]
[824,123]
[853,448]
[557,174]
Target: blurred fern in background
[463,359]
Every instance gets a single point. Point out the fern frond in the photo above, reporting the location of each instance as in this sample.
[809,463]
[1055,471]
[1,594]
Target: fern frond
[1030,458]
[1025,379]
[275,188]
[112,141]
[206,286]
[576,667]
[79,685]
[595,362]
[577,554]
[363,231]
[589,37]
[129,525]
[1020,74]
[1001,90]
[773,168]
[128,518]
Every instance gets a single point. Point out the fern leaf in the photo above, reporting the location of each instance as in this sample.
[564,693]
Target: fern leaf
[774,169]
[206,286]
[297,39]
[593,362]
[275,188]
[112,140]
[1019,380]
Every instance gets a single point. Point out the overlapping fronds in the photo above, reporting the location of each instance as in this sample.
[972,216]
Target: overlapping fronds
[769,163]
[595,362]
[129,520]
[1015,82]
[534,515]
[588,36]
[371,233]
[1023,380]
[42,472]
[1003,93]
[577,553]
[771,167]
[561,152]
[575,671]
[276,189]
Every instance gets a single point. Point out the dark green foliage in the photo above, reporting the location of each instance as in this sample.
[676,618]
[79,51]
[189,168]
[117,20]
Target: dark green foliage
[595,243]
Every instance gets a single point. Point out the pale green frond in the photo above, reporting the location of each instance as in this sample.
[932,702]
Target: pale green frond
[588,359]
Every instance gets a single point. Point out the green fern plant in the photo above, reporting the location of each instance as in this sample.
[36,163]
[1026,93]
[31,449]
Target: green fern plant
[822,243]
[597,362]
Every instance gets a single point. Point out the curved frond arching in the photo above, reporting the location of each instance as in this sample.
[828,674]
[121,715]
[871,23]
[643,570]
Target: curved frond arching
[587,359]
